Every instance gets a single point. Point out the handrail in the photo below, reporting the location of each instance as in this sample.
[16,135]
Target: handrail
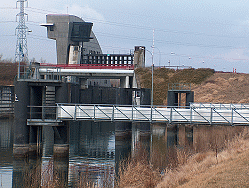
[201,115]
[89,66]
[142,113]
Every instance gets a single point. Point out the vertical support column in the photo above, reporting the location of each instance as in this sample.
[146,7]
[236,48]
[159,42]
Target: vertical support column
[83,83]
[166,134]
[176,103]
[122,150]
[171,98]
[182,135]
[189,98]
[21,130]
[145,130]
[122,130]
[35,141]
[36,99]
[180,99]
[196,136]
[61,146]
[124,82]
[75,93]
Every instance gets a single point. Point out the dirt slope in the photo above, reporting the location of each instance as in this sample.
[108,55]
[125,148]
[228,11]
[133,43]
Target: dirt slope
[223,88]
[208,86]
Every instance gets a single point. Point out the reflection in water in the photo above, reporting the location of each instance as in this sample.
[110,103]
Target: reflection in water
[95,151]
[6,145]
[92,151]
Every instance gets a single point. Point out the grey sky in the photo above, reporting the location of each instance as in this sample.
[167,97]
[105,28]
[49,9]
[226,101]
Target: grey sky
[213,32]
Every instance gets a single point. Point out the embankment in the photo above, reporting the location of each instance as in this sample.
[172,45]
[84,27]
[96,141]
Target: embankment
[208,86]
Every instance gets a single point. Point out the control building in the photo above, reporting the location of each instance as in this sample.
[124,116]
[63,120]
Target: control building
[74,38]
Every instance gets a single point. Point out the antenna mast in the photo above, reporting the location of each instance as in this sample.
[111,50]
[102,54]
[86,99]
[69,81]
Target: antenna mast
[21,54]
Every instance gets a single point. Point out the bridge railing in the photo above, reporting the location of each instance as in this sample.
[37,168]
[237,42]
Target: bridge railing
[190,115]
[31,72]
[220,106]
[42,112]
[146,113]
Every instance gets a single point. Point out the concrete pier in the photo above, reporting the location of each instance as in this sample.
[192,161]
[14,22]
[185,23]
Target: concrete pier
[61,133]
[21,130]
[181,135]
[122,130]
[61,150]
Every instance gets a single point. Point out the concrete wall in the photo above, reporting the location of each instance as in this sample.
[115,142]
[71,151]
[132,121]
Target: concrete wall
[21,130]
[105,95]
[139,56]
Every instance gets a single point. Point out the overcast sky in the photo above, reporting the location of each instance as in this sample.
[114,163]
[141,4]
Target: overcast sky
[201,34]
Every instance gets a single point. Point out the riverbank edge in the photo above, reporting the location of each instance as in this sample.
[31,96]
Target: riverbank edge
[214,170]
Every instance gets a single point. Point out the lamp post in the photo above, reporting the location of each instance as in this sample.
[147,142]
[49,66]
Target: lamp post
[152,72]
[159,55]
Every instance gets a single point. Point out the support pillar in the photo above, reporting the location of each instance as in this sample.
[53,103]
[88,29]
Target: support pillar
[35,132]
[122,130]
[124,82]
[182,135]
[35,141]
[144,130]
[189,98]
[61,144]
[21,130]
[196,136]
[176,102]
[83,83]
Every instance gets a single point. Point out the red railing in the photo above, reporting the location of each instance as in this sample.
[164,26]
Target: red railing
[90,66]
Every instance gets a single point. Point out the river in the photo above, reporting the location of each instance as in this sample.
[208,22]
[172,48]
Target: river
[96,149]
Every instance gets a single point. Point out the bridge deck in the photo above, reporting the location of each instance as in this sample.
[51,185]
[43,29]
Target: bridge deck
[196,113]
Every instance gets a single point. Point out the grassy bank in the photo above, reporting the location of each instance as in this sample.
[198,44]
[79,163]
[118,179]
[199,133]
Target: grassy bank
[214,167]
[163,76]
[222,162]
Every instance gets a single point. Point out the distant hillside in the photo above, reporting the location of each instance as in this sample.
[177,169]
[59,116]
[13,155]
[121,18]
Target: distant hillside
[8,71]
[207,85]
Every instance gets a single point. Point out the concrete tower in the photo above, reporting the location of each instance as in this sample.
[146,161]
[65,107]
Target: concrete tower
[74,38]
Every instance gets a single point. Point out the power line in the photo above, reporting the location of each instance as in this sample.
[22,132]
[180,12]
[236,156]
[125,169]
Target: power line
[7,8]
[146,27]
[161,41]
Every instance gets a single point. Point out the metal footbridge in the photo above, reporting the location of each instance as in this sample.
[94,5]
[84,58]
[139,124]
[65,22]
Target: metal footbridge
[196,113]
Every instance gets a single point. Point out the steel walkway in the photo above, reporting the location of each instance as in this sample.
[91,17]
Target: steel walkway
[196,113]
